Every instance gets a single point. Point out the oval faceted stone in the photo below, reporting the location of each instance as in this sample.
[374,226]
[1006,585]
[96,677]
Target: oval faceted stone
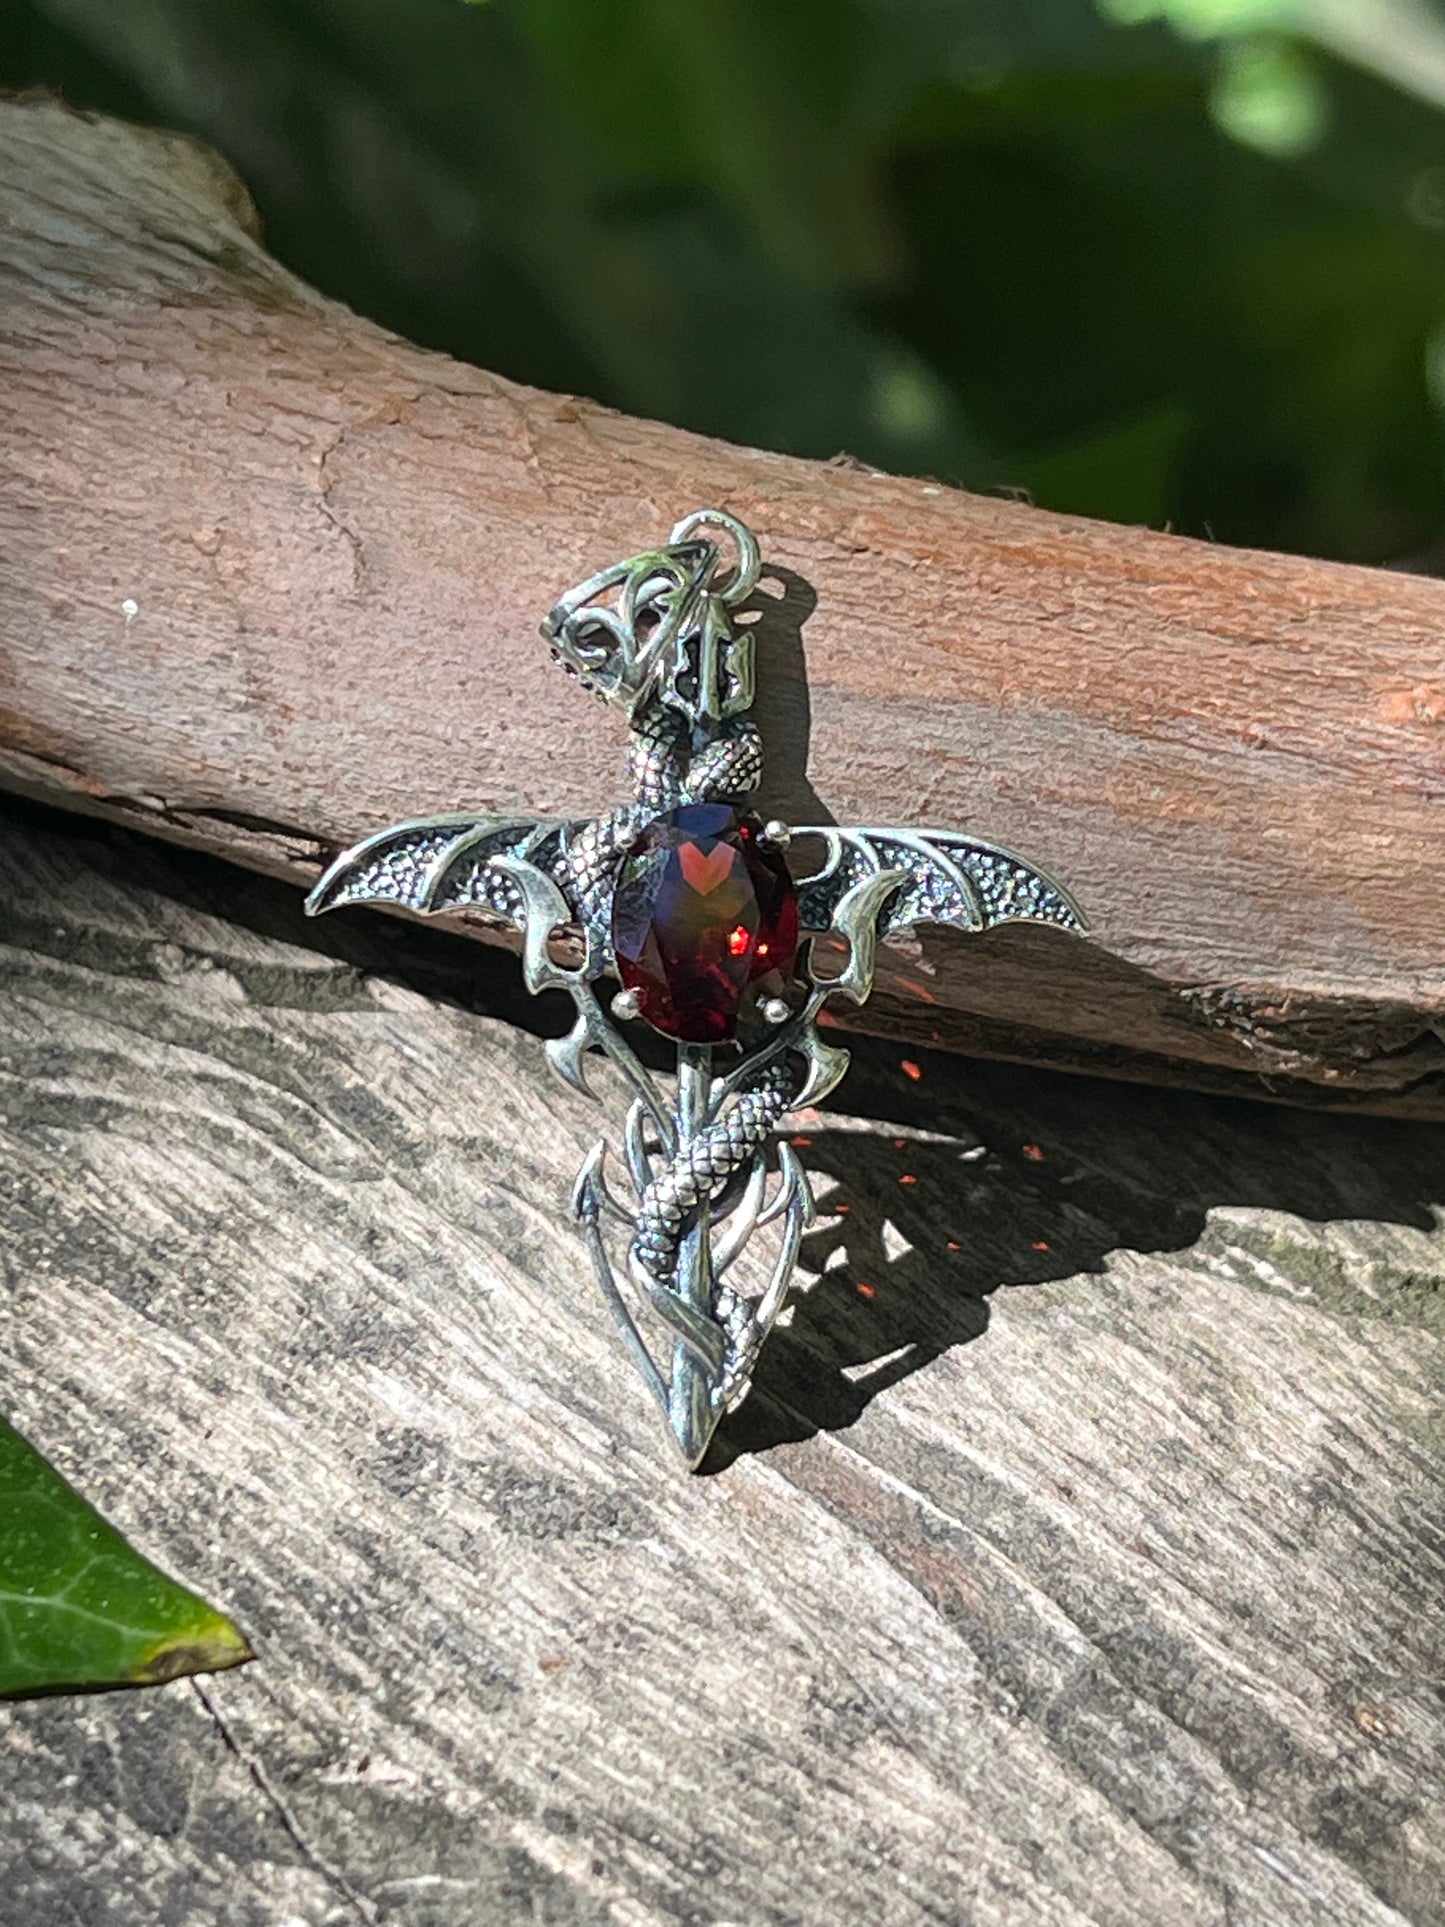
[704,913]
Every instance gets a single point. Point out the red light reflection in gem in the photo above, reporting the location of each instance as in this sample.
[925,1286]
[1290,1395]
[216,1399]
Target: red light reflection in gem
[703,921]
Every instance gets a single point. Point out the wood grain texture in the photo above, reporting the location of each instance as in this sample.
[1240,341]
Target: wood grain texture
[270,578]
[1077,1559]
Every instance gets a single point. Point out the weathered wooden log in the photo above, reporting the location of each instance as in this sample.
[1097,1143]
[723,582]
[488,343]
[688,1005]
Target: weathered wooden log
[1122,1611]
[270,578]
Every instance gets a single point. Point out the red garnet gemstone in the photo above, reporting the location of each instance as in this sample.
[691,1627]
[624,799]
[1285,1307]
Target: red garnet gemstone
[704,911]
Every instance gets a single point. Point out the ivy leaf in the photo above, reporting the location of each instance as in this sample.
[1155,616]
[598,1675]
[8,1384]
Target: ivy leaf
[79,1608]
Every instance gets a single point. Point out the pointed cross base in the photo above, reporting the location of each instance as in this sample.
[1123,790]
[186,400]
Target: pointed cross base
[716,1335]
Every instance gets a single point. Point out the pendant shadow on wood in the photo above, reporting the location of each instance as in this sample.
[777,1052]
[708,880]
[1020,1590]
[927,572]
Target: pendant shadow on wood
[779,606]
[942,1193]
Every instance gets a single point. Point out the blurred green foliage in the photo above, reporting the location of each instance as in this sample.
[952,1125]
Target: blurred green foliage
[1169,261]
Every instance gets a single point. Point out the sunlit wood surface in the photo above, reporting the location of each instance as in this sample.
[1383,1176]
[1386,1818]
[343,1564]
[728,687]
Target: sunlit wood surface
[1077,1559]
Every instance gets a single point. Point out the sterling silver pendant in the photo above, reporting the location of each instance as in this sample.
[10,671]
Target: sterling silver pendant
[686,898]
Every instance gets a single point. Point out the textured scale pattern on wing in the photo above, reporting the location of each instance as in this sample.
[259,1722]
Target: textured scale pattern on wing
[1010,890]
[470,882]
[395,874]
[473,886]
[933,896]
[819,896]
[998,887]
[447,865]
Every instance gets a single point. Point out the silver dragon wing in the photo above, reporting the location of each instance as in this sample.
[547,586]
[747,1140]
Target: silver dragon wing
[946,878]
[439,863]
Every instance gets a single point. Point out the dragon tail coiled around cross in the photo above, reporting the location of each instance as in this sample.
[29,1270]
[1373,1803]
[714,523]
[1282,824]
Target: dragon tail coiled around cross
[702,1165]
[666,772]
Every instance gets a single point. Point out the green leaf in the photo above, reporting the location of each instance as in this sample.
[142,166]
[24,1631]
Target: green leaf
[79,1607]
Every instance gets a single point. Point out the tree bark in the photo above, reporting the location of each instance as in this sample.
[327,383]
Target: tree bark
[1074,1563]
[270,578]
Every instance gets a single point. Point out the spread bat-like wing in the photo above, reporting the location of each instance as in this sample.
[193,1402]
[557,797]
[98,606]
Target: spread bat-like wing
[444,863]
[947,879]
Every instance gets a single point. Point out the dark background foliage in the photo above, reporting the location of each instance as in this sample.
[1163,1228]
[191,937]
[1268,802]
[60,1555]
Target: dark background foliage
[1179,262]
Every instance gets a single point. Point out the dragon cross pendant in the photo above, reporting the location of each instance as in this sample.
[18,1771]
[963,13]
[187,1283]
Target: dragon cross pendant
[685,897]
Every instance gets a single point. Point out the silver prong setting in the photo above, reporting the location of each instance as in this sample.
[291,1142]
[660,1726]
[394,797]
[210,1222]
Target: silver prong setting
[777,832]
[625,1006]
[774,1010]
